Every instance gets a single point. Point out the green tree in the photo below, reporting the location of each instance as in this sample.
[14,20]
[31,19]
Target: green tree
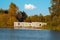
[19,16]
[24,16]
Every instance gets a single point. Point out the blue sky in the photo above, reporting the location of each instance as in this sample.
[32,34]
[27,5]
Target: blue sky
[31,7]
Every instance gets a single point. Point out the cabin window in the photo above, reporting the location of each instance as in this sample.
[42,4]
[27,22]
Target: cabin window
[40,24]
[18,23]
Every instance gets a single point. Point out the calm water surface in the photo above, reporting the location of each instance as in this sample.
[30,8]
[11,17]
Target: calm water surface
[22,34]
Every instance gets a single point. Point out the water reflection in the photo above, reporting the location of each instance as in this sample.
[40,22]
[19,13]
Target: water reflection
[7,34]
[55,35]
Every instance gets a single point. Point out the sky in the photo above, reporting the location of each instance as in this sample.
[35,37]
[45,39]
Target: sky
[31,7]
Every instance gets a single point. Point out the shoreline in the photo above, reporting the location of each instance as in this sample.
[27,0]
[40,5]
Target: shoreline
[30,29]
[26,29]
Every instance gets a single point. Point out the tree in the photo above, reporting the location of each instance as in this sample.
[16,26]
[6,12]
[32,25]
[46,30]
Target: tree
[10,21]
[24,16]
[12,12]
[3,20]
[54,20]
[55,8]
[13,9]
[1,11]
[19,16]
[28,19]
[35,18]
[7,20]
[41,18]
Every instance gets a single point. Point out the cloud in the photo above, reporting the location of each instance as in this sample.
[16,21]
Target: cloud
[29,6]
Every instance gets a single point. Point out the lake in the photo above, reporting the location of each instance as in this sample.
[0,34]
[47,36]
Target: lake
[23,34]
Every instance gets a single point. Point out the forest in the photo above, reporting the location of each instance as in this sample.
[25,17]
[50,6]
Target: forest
[13,14]
[8,17]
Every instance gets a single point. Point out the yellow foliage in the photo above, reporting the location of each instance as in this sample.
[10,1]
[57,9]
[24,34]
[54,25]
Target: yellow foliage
[12,9]
[7,21]
[11,20]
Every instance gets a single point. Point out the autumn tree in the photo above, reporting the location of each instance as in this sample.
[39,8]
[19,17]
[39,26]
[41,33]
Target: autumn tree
[28,19]
[41,18]
[36,18]
[13,9]
[55,8]
[54,18]
[1,11]
[32,18]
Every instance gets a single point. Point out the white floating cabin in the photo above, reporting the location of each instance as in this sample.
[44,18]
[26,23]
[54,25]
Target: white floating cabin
[18,25]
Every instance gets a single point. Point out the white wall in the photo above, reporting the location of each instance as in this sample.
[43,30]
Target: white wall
[28,24]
